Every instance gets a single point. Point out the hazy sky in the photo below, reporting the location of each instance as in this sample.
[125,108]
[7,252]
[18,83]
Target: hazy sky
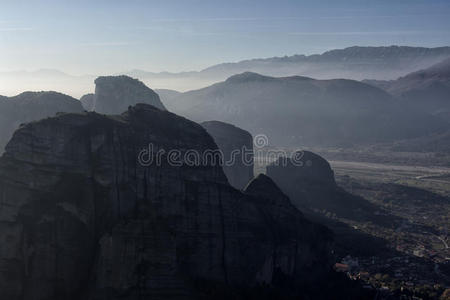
[108,36]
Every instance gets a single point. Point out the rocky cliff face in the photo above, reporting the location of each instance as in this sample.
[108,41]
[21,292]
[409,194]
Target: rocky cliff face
[31,106]
[309,182]
[233,141]
[88,101]
[114,94]
[82,218]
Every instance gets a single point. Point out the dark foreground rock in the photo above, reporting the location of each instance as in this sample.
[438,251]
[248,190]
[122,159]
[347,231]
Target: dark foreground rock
[233,141]
[114,94]
[82,218]
[31,106]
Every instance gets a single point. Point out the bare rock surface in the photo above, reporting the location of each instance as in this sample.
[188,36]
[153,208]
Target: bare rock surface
[81,218]
[114,94]
[88,101]
[309,182]
[233,142]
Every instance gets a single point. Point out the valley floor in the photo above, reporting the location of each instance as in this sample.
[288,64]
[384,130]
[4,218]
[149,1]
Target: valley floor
[419,256]
[409,254]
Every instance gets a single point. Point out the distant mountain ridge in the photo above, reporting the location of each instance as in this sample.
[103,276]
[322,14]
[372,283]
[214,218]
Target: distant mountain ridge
[427,89]
[392,58]
[381,63]
[301,111]
[356,55]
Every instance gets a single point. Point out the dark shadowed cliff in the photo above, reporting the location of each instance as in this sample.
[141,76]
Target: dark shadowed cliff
[355,63]
[309,182]
[81,218]
[236,145]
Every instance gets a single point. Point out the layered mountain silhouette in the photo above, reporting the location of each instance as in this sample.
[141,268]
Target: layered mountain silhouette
[16,82]
[82,217]
[304,111]
[114,94]
[382,63]
[351,63]
[427,89]
[31,106]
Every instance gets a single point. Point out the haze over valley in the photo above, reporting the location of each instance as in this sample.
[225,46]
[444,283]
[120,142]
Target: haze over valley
[293,150]
[357,63]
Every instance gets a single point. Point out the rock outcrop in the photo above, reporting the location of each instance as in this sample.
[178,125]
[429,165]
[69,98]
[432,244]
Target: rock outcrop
[114,94]
[265,188]
[31,106]
[88,101]
[309,182]
[307,168]
[236,146]
[86,214]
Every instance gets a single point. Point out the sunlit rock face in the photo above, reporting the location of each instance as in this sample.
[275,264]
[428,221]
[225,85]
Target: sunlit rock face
[236,146]
[114,94]
[31,106]
[81,217]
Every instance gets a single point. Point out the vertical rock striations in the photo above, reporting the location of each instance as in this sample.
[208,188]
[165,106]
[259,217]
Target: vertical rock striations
[233,142]
[281,214]
[81,218]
